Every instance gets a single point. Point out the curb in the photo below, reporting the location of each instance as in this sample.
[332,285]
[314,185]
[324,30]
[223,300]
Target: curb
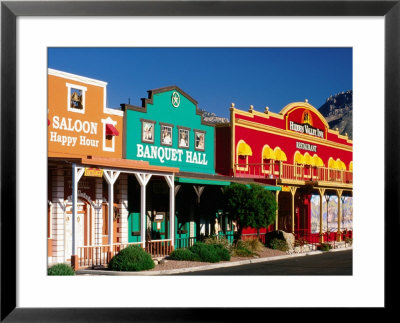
[205,267]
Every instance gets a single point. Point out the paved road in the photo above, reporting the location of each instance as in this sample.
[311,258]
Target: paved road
[328,263]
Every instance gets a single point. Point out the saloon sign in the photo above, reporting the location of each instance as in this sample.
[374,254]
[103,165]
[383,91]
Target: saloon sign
[75,126]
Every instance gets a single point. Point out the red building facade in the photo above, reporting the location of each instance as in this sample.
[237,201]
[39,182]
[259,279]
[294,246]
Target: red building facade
[296,150]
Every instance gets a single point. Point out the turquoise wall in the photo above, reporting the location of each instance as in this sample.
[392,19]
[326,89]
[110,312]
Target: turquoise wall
[162,110]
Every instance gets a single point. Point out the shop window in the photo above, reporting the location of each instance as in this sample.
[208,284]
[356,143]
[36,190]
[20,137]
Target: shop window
[76,98]
[109,133]
[184,139]
[166,134]
[148,131]
[199,140]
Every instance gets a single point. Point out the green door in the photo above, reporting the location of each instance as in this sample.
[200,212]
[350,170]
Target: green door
[160,228]
[134,227]
[226,226]
[182,232]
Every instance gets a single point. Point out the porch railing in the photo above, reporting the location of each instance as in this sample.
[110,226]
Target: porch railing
[159,248]
[303,237]
[100,255]
[293,172]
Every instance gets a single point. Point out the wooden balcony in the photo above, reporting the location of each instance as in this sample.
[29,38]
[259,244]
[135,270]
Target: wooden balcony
[294,173]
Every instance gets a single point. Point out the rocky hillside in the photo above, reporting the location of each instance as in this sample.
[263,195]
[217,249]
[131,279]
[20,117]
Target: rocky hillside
[338,111]
[212,117]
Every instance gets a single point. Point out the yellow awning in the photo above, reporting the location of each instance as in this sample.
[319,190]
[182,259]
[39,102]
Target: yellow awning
[341,165]
[244,149]
[299,158]
[308,160]
[279,154]
[268,153]
[351,166]
[332,163]
[318,161]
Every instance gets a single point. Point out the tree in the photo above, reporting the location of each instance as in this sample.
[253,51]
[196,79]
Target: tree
[250,205]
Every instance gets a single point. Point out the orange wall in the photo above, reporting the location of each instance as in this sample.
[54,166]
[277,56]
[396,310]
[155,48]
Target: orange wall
[76,134]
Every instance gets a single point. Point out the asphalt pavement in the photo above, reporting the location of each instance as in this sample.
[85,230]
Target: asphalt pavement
[334,262]
[327,263]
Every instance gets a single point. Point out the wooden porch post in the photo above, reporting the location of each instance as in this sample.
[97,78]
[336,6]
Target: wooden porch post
[77,173]
[111,177]
[321,234]
[293,192]
[277,209]
[170,181]
[143,179]
[339,219]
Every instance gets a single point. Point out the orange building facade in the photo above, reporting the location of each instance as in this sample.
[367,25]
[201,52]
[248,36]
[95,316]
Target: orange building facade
[87,177]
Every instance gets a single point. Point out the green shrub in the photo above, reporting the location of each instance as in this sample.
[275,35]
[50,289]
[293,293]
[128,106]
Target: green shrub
[222,252]
[132,258]
[324,247]
[278,244]
[253,244]
[242,252]
[183,254]
[214,240]
[242,249]
[205,252]
[60,270]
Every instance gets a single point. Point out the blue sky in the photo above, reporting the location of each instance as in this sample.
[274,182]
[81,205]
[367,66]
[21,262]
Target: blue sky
[214,77]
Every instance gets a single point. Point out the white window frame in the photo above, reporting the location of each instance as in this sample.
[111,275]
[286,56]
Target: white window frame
[78,87]
[114,123]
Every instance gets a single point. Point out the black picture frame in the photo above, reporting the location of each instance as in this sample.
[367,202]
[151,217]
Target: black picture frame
[11,10]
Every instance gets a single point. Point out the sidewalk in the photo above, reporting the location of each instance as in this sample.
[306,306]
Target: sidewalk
[204,267]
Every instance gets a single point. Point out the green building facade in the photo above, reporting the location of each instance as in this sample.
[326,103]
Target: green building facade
[168,130]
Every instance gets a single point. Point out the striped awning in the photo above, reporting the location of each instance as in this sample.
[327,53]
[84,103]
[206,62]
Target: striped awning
[268,153]
[279,154]
[244,149]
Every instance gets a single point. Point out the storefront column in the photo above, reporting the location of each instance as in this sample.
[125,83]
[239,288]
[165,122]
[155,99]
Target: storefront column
[199,190]
[277,209]
[122,198]
[111,177]
[77,173]
[143,179]
[293,193]
[339,219]
[58,214]
[170,181]
[321,234]
[99,212]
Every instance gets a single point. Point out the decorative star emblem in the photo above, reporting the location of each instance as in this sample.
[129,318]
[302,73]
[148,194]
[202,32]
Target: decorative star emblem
[176,100]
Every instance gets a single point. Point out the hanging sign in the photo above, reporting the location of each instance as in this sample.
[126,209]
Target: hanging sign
[93,172]
[159,218]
